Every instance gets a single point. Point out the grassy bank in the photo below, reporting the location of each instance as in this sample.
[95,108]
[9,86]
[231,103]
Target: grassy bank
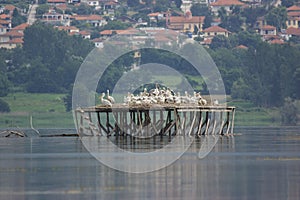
[48,111]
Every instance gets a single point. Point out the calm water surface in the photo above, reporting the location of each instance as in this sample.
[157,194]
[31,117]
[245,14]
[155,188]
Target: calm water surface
[260,163]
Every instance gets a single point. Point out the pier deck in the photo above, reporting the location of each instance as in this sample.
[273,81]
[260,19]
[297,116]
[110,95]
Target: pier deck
[155,119]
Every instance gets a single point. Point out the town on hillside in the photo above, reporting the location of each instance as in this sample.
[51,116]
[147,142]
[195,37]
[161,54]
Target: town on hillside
[276,22]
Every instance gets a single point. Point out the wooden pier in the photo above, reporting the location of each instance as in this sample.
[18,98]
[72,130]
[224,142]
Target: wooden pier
[155,119]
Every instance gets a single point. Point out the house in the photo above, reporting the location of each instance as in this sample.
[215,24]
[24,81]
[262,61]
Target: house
[10,8]
[109,33]
[3,36]
[186,5]
[5,23]
[187,23]
[12,43]
[20,28]
[228,5]
[213,31]
[85,34]
[94,20]
[73,1]
[157,16]
[276,41]
[56,2]
[98,42]
[68,29]
[293,17]
[52,17]
[110,5]
[268,31]
[292,32]
[3,30]
[94,3]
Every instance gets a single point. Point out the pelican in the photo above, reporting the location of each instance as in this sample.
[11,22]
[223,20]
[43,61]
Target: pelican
[110,98]
[216,102]
[104,101]
[202,102]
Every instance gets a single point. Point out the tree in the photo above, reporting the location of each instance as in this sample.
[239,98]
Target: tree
[17,19]
[232,23]
[83,9]
[4,85]
[199,10]
[4,107]
[178,3]
[251,14]
[52,56]
[42,9]
[289,112]
[220,41]
[133,3]
[287,3]
[277,17]
[42,1]
[115,25]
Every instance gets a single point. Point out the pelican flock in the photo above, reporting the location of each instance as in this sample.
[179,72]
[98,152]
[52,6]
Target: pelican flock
[155,96]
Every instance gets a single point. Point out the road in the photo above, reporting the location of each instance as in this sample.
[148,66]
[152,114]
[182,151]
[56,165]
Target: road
[32,12]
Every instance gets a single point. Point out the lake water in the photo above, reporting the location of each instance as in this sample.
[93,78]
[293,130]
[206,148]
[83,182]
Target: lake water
[258,163]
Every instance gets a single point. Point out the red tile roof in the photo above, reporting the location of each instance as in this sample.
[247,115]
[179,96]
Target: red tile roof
[277,41]
[154,14]
[4,16]
[293,8]
[16,41]
[207,41]
[268,28]
[241,47]
[14,33]
[4,21]
[84,33]
[62,7]
[110,32]
[66,28]
[87,17]
[294,14]
[183,19]
[21,27]
[9,7]
[293,31]
[215,29]
[227,3]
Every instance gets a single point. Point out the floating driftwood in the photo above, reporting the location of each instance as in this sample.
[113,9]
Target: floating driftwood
[12,133]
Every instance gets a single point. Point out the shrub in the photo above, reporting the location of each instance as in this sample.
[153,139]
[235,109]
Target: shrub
[4,107]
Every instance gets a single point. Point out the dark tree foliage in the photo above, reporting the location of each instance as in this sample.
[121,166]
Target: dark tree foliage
[4,107]
[51,55]
[288,3]
[252,13]
[200,10]
[133,3]
[277,17]
[17,18]
[178,3]
[289,112]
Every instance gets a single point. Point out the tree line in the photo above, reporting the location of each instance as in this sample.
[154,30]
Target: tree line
[262,73]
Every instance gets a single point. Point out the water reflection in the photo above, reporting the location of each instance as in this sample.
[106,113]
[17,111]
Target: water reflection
[259,164]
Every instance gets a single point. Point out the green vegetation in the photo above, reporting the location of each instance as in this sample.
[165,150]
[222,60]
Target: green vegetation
[47,110]
[4,107]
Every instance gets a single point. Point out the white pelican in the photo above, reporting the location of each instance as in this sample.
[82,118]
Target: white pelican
[104,101]
[110,98]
